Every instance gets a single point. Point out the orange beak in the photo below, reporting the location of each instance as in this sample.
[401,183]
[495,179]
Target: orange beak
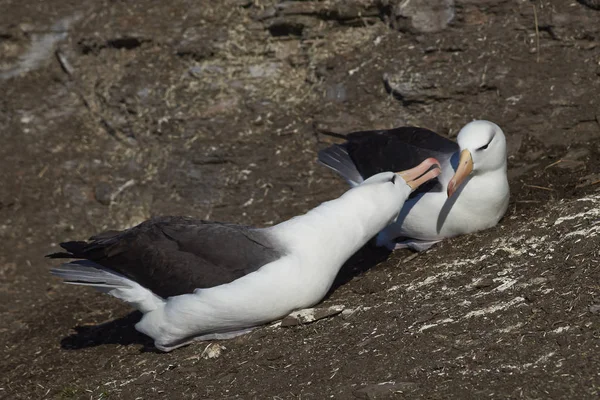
[465,167]
[420,174]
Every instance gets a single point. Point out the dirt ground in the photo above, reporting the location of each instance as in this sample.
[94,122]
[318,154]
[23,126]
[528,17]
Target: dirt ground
[113,111]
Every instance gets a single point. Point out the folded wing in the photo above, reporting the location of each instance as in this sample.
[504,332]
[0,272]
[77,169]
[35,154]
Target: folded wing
[176,255]
[367,153]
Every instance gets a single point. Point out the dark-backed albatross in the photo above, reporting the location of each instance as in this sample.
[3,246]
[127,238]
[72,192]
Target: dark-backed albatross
[199,280]
[471,194]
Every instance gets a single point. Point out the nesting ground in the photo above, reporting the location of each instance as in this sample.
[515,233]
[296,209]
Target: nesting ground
[114,111]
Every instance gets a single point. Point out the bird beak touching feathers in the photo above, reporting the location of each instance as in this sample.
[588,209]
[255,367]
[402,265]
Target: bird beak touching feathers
[420,174]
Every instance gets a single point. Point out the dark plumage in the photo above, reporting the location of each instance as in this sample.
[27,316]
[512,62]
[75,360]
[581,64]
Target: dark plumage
[366,153]
[176,255]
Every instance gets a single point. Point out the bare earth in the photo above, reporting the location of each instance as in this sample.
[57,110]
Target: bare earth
[115,111]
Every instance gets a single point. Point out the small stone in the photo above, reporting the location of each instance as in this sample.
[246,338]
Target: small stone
[349,312]
[198,71]
[213,350]
[103,193]
[483,283]
[530,297]
[594,308]
[577,154]
[309,315]
[424,15]
[273,355]
[336,93]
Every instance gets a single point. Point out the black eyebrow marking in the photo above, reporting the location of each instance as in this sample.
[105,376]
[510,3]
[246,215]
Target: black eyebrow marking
[486,146]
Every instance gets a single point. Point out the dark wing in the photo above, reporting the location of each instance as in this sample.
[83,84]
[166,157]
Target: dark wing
[176,255]
[395,149]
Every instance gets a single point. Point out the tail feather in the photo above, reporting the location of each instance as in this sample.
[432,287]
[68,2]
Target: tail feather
[88,273]
[98,246]
[337,158]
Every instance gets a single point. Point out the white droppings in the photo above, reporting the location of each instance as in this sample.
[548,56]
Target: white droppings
[593,231]
[494,308]
[542,360]
[588,214]
[511,328]
[427,326]
[561,329]
[432,279]
[507,284]
[593,198]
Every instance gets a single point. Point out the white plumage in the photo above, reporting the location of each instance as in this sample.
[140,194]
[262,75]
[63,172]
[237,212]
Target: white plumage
[314,247]
[472,191]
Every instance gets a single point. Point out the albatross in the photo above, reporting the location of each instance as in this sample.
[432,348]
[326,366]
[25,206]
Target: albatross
[471,194]
[199,280]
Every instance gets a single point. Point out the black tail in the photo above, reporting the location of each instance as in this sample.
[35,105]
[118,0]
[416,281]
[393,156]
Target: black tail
[94,249]
[74,250]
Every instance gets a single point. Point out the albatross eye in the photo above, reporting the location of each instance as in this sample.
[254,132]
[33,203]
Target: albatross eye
[393,180]
[484,147]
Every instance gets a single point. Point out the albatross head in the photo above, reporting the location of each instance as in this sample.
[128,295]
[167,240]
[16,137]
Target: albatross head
[482,149]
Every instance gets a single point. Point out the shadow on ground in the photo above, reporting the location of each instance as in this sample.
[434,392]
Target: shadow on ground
[119,331]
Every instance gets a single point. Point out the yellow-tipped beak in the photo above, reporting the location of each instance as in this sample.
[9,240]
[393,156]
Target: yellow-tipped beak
[465,167]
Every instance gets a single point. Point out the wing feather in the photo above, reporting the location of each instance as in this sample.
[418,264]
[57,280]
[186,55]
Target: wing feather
[176,255]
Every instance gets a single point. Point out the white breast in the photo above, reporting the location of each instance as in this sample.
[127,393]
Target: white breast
[479,205]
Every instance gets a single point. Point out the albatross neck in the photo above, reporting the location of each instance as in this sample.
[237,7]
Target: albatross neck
[340,227]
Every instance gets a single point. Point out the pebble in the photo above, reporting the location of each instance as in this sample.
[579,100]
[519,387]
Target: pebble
[336,92]
[213,350]
[310,315]
[103,193]
[426,16]
[594,308]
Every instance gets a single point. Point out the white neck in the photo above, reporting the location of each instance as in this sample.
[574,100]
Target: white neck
[330,233]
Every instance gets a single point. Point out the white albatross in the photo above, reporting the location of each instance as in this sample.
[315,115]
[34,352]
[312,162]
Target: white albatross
[198,280]
[471,194]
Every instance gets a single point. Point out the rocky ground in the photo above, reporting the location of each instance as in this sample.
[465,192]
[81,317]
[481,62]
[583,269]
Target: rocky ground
[114,111]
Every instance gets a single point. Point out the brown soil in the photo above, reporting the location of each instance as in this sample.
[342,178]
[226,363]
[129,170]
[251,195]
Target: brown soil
[114,111]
